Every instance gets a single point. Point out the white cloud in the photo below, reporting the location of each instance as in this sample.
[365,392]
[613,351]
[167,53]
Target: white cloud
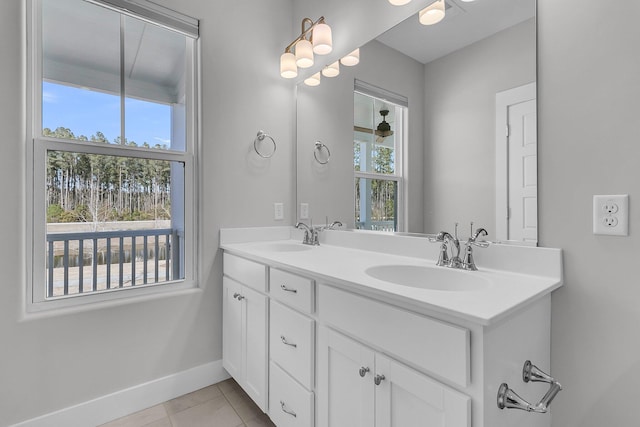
[49,97]
[163,140]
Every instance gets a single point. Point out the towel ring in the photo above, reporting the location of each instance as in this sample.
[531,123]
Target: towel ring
[319,147]
[259,138]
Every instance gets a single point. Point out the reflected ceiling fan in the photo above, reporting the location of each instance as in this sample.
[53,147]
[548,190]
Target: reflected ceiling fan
[382,131]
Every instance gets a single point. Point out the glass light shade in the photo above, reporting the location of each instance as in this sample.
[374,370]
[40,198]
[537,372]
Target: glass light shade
[331,70]
[304,54]
[402,2]
[314,80]
[432,14]
[288,68]
[351,59]
[322,43]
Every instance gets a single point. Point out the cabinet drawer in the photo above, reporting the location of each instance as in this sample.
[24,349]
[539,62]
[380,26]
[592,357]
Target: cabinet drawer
[290,405]
[293,290]
[437,347]
[247,272]
[291,342]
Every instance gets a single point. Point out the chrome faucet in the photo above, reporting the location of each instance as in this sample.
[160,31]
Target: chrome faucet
[468,262]
[447,240]
[310,234]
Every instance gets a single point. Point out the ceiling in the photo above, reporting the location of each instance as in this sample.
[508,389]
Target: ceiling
[81,47]
[464,23]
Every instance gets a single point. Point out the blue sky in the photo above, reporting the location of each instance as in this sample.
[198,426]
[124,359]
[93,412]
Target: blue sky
[86,112]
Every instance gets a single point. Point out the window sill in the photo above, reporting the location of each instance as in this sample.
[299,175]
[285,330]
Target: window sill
[92,302]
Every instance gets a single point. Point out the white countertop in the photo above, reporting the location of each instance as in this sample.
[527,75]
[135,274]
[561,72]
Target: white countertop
[345,267]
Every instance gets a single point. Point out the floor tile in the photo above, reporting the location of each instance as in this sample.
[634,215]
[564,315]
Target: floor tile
[228,386]
[164,422]
[247,410]
[192,399]
[216,412]
[140,419]
[261,421]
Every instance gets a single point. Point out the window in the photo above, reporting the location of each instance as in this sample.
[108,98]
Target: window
[113,150]
[379,125]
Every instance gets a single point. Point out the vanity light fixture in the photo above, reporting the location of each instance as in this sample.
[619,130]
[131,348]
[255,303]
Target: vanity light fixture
[313,80]
[399,2]
[433,13]
[314,37]
[331,70]
[351,59]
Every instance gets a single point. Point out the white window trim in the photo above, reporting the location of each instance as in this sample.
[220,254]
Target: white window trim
[36,148]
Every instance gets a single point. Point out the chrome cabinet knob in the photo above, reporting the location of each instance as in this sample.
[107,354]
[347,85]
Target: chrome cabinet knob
[378,379]
[238,296]
[363,371]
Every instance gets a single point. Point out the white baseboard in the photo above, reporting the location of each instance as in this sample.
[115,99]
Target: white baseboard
[124,402]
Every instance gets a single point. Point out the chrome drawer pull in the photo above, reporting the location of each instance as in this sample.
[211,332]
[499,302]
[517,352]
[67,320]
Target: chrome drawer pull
[284,288]
[363,371]
[282,406]
[378,379]
[285,342]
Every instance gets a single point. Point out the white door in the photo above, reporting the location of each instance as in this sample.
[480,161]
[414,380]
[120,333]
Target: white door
[523,175]
[407,398]
[255,332]
[345,382]
[516,165]
[232,328]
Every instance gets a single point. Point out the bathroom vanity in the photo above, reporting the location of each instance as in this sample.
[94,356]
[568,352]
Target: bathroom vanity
[365,330]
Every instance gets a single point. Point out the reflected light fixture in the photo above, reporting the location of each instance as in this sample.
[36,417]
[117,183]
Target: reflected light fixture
[351,59]
[399,2]
[313,80]
[314,37]
[331,70]
[384,129]
[433,13]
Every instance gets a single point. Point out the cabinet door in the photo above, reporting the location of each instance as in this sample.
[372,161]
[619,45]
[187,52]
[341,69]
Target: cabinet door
[345,381]
[407,398]
[255,332]
[232,359]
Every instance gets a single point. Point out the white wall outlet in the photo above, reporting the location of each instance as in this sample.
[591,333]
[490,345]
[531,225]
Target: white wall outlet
[304,210]
[611,215]
[278,211]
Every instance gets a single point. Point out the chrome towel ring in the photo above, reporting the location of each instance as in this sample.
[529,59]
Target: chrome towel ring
[320,147]
[259,140]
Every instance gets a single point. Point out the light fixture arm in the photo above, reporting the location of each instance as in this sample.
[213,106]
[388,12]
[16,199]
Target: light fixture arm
[305,31]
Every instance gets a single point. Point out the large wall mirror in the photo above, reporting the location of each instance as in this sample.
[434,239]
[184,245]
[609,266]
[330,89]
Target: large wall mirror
[459,98]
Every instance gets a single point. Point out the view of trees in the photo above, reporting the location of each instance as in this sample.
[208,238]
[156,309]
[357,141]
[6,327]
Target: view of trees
[96,188]
[382,192]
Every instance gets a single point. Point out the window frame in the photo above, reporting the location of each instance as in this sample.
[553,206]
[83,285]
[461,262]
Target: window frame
[37,146]
[400,145]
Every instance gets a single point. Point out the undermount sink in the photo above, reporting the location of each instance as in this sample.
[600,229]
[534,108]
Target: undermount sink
[431,278]
[285,247]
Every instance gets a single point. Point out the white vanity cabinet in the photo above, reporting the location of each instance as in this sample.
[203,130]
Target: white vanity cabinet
[360,387]
[292,349]
[245,330]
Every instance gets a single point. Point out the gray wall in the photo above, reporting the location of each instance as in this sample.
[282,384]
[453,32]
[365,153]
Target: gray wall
[589,100]
[460,155]
[325,113]
[55,361]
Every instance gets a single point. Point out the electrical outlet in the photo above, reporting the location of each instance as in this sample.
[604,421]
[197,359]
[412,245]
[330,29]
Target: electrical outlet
[611,215]
[278,211]
[304,210]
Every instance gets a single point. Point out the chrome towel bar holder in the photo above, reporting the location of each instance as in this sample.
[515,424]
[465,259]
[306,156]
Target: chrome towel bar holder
[507,398]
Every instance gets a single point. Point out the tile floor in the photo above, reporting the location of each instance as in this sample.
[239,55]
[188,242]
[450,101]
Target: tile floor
[221,405]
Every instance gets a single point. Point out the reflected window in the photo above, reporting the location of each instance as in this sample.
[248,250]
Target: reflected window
[379,132]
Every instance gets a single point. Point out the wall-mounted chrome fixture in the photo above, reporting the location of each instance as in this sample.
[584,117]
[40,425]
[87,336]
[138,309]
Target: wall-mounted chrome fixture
[258,145]
[323,152]
[315,37]
[507,398]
